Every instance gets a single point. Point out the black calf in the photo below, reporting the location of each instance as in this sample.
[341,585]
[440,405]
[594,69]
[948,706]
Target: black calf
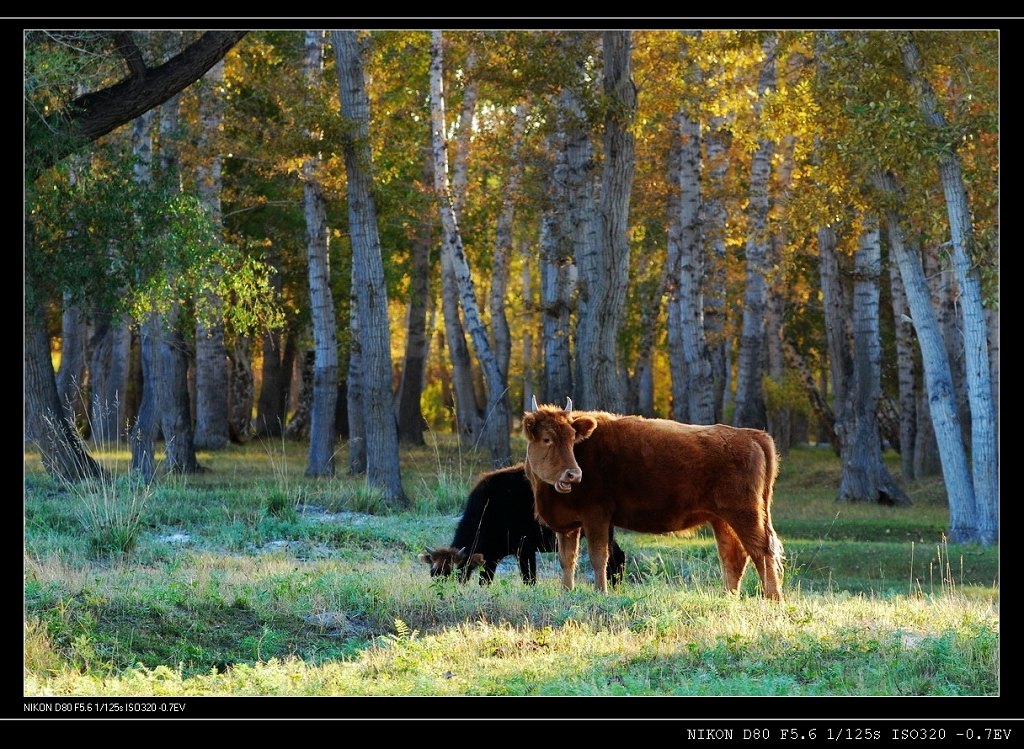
[499,520]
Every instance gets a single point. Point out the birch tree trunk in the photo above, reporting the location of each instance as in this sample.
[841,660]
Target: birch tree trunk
[410,388]
[71,375]
[500,337]
[602,379]
[468,416]
[108,377]
[495,428]
[906,376]
[354,392]
[716,216]
[63,453]
[382,460]
[750,408]
[699,390]
[984,448]
[946,424]
[865,477]
[557,281]
[241,390]
[172,352]
[321,301]
[838,334]
[212,431]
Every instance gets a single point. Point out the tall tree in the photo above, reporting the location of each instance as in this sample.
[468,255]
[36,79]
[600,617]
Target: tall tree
[946,423]
[557,276]
[602,377]
[750,408]
[382,464]
[325,367]
[984,453]
[906,368]
[689,317]
[211,371]
[865,477]
[495,428]
[50,135]
[410,387]
[173,397]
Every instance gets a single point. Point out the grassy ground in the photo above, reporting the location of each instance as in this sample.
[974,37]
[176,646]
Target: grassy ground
[250,579]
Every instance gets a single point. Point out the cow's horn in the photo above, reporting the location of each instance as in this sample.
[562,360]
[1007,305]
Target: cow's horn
[429,550]
[534,405]
[568,404]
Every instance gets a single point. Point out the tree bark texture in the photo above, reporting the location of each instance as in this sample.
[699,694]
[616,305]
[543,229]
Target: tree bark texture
[941,398]
[108,378]
[715,219]
[750,408]
[690,280]
[495,428]
[321,301]
[558,278]
[382,460]
[906,371]
[212,397]
[865,477]
[501,339]
[602,375]
[63,453]
[72,385]
[410,387]
[984,445]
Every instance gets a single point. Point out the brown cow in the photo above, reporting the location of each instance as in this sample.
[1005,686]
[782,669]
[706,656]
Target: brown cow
[591,470]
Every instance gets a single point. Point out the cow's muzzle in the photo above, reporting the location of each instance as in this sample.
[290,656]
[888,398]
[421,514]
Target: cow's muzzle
[568,477]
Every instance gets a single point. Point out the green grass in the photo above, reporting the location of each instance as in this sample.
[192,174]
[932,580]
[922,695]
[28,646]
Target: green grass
[251,579]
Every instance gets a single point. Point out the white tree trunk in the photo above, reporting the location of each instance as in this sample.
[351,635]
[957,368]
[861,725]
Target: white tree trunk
[984,447]
[955,471]
[699,390]
[906,371]
[715,219]
[495,432]
[750,409]
[212,431]
[321,300]
[557,280]
[602,376]
[172,353]
[382,460]
[500,337]
[865,477]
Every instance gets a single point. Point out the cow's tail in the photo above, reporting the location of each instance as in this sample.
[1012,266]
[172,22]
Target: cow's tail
[771,473]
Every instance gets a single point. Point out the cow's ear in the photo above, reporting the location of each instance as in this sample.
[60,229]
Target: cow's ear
[584,426]
[530,426]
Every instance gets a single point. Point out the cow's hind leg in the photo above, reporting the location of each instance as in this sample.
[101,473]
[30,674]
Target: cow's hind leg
[731,553]
[765,549]
[568,553]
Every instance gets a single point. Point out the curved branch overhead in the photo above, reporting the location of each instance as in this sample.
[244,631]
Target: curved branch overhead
[97,113]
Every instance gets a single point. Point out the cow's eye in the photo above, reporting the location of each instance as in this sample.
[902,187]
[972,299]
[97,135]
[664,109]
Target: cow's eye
[546,440]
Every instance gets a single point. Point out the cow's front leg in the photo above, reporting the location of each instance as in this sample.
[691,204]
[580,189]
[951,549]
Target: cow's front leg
[597,548]
[568,553]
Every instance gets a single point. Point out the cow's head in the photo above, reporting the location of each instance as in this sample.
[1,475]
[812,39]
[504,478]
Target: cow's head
[550,434]
[445,561]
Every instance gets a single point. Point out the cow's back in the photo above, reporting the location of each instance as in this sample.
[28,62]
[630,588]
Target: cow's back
[656,475]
